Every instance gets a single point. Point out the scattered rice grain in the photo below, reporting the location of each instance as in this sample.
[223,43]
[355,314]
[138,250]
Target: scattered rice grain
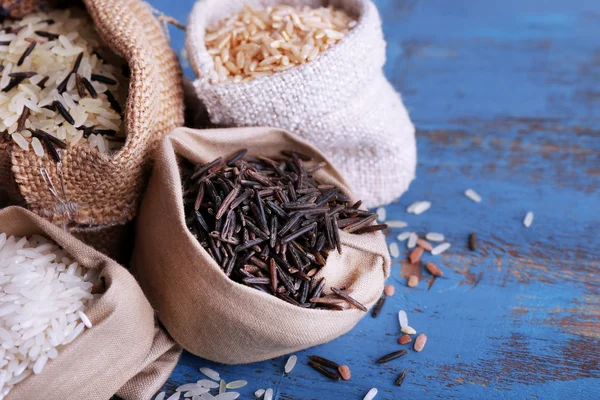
[402,319]
[439,249]
[370,394]
[434,237]
[396,224]
[528,219]
[412,240]
[210,373]
[290,364]
[420,342]
[394,250]
[473,195]
[381,214]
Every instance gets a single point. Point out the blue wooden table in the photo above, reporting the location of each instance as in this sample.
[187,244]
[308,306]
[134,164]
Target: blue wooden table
[506,98]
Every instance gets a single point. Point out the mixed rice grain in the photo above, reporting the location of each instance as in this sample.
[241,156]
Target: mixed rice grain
[58,85]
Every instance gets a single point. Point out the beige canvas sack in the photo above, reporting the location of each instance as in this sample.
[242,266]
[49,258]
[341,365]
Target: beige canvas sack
[102,192]
[206,312]
[123,352]
[341,102]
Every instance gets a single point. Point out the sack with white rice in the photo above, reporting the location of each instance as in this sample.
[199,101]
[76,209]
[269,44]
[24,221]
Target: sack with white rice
[204,310]
[316,73]
[80,157]
[73,323]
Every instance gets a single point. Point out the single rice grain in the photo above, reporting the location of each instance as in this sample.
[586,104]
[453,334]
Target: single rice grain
[439,249]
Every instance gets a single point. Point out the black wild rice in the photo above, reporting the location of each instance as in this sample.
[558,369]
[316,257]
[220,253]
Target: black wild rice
[400,380]
[325,362]
[270,224]
[473,241]
[378,306]
[333,375]
[392,356]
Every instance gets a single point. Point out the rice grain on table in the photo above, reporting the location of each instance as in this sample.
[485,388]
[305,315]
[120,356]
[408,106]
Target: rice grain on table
[370,394]
[44,294]
[260,42]
[268,394]
[403,236]
[58,87]
[227,396]
[412,240]
[402,319]
[210,373]
[439,249]
[473,195]
[419,207]
[259,393]
[396,224]
[528,219]
[236,384]
[394,250]
[290,364]
[434,237]
[381,214]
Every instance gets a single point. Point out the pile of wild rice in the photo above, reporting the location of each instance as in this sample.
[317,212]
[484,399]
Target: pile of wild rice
[270,224]
[43,297]
[58,87]
[256,43]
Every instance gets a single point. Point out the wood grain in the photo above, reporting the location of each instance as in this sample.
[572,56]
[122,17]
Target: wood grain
[506,99]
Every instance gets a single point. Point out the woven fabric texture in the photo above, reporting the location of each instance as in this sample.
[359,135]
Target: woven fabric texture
[102,190]
[341,102]
[197,302]
[124,350]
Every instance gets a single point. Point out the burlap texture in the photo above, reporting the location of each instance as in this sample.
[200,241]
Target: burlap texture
[102,190]
[341,102]
[123,351]
[206,312]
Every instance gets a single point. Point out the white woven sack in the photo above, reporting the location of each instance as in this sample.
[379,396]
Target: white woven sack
[341,102]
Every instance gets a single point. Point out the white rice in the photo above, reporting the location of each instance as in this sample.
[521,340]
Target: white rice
[403,236]
[55,59]
[207,384]
[434,237]
[227,396]
[236,384]
[222,386]
[371,394]
[268,394]
[290,364]
[402,319]
[259,393]
[160,396]
[409,330]
[439,249]
[528,219]
[381,214]
[418,207]
[422,207]
[473,195]
[210,373]
[43,295]
[396,224]
[394,250]
[412,240]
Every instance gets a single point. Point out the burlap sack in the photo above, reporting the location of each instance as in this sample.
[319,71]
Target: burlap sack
[341,102]
[206,312]
[124,350]
[102,192]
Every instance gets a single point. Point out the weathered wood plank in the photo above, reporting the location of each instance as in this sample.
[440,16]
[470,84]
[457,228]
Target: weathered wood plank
[505,97]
